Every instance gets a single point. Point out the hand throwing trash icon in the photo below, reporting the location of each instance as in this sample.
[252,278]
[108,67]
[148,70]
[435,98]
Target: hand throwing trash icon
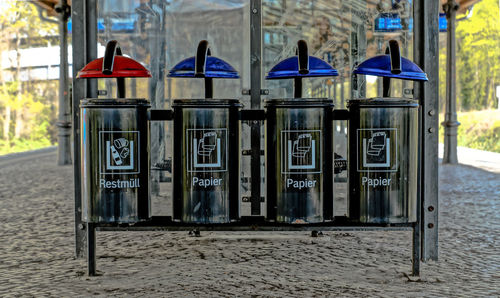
[302,145]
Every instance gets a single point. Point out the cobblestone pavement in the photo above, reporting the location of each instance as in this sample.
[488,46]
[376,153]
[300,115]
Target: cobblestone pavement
[37,250]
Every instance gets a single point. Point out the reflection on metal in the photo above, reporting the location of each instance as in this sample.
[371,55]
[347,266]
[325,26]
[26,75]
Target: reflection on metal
[299,145]
[450,119]
[115,152]
[383,145]
[206,145]
[206,160]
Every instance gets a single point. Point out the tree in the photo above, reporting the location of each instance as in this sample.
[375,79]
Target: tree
[19,24]
[478,57]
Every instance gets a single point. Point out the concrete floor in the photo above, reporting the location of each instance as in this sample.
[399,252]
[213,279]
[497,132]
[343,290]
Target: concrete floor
[37,248]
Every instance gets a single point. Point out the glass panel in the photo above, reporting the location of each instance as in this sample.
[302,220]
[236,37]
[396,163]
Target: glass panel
[343,33]
[161,33]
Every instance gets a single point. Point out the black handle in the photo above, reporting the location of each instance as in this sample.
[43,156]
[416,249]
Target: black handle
[303,56]
[202,53]
[113,49]
[392,50]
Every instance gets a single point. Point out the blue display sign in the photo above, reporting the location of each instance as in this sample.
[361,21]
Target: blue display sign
[117,25]
[443,22]
[390,22]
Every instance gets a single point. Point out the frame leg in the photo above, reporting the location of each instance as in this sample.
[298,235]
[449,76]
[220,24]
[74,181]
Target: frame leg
[91,248]
[415,271]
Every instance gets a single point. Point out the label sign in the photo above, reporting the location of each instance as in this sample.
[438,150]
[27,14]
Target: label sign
[377,150]
[301,151]
[207,150]
[119,152]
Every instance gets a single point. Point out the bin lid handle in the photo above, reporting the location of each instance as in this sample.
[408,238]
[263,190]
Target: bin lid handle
[300,66]
[393,51]
[391,65]
[205,66]
[114,65]
[112,50]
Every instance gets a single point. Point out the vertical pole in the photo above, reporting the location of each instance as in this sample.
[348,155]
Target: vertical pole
[342,101]
[426,53]
[64,119]
[79,92]
[450,120]
[255,83]
[91,248]
[84,50]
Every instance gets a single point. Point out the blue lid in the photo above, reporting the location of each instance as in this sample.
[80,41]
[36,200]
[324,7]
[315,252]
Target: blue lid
[380,66]
[289,69]
[214,68]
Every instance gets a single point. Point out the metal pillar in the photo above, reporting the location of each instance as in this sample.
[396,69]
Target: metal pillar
[426,53]
[84,17]
[255,87]
[450,120]
[64,119]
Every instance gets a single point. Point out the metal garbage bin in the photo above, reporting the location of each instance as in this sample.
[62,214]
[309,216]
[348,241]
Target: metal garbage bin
[299,146]
[115,146]
[206,146]
[383,146]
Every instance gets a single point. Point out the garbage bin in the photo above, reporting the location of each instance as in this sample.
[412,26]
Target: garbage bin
[115,146]
[299,146]
[206,146]
[383,146]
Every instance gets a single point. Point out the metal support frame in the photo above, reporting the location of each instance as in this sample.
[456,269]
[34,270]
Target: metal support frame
[255,87]
[450,119]
[425,241]
[84,17]
[426,55]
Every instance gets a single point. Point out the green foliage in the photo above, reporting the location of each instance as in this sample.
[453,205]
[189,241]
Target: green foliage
[20,145]
[27,109]
[20,19]
[478,130]
[478,57]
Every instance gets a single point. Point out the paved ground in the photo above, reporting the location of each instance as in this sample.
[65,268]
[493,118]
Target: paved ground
[36,248]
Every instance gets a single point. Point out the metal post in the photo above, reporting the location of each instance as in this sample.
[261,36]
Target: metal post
[450,120]
[84,17]
[426,53]
[64,119]
[255,83]
[91,248]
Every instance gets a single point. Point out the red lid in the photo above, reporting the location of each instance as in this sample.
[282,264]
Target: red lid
[123,67]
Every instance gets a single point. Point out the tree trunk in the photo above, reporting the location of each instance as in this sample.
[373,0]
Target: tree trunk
[19,124]
[19,96]
[6,124]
